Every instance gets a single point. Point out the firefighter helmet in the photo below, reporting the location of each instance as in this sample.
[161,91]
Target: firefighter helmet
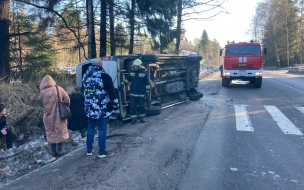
[137,62]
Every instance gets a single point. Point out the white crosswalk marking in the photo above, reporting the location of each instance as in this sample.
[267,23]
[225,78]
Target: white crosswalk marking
[301,109]
[243,122]
[283,122]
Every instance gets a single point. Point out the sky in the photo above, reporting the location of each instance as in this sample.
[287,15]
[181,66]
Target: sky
[224,27]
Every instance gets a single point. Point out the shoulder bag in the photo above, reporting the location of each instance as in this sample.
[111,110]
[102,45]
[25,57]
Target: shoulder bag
[64,110]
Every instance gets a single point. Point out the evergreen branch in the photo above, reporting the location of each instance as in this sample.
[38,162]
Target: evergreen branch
[60,16]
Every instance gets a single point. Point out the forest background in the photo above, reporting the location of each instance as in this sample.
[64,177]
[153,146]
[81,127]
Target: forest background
[38,35]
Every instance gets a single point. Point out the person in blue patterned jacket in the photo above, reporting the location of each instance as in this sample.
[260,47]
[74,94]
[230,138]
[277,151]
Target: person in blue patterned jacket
[100,100]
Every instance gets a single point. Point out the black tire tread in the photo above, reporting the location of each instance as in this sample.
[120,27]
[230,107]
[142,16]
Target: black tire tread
[153,110]
[196,96]
[149,58]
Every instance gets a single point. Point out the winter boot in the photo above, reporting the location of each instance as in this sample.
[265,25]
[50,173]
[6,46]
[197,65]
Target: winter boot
[54,152]
[59,149]
[142,120]
[134,120]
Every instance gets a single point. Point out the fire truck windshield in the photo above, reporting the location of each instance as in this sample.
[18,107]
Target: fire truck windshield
[243,49]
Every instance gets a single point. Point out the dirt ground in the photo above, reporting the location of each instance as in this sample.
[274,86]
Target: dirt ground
[154,154]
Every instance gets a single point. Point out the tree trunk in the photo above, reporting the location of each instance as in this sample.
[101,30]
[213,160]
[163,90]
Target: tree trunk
[91,31]
[276,49]
[20,51]
[300,47]
[112,38]
[78,32]
[4,39]
[287,32]
[103,28]
[132,27]
[179,23]
[160,43]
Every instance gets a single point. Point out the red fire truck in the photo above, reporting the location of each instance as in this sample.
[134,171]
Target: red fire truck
[243,61]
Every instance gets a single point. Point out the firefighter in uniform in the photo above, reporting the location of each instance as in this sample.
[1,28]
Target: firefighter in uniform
[140,86]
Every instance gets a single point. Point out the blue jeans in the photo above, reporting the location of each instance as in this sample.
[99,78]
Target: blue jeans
[102,124]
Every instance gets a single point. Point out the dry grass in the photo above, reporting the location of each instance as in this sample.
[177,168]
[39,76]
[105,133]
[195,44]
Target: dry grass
[19,98]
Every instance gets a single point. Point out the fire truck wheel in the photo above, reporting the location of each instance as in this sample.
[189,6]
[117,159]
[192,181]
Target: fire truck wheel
[196,96]
[194,58]
[153,110]
[149,58]
[225,82]
[258,83]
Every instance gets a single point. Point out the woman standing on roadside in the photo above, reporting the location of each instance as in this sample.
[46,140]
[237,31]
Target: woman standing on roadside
[55,128]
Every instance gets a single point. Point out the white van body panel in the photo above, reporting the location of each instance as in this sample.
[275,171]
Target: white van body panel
[109,66]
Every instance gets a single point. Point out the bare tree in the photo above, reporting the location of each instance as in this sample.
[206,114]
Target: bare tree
[277,23]
[287,32]
[103,28]
[91,30]
[259,21]
[4,38]
[186,10]
[178,25]
[112,33]
[132,25]
[300,38]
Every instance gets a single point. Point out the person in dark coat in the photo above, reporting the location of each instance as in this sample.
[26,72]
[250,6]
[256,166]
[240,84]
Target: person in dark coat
[139,88]
[4,131]
[78,119]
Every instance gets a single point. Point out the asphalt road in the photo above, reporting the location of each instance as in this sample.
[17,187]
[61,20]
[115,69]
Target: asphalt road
[253,138]
[233,138]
